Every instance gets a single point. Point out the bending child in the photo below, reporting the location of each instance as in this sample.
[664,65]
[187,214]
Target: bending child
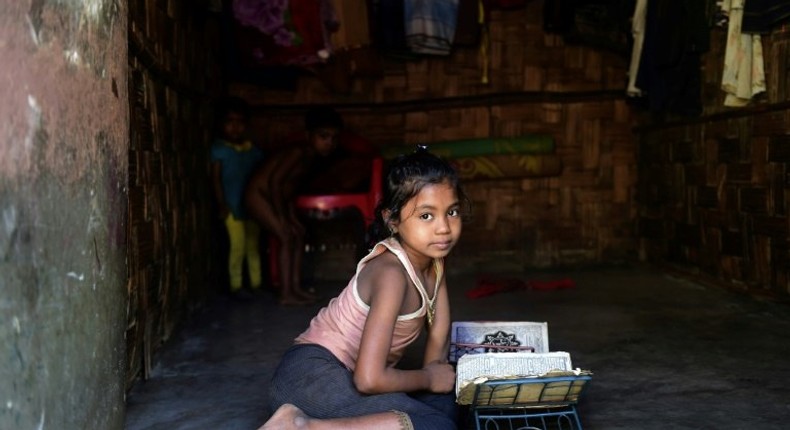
[271,194]
[233,159]
[341,373]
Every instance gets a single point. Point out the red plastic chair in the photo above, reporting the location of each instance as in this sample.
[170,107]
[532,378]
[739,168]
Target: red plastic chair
[364,202]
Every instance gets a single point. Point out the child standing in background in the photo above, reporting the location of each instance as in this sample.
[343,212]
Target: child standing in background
[340,373]
[233,159]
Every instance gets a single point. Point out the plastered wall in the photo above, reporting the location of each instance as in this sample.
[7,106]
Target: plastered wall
[63,150]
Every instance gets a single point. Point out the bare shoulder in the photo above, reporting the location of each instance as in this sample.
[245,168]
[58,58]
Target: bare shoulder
[384,267]
[383,271]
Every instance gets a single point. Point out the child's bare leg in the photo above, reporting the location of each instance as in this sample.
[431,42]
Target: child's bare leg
[289,417]
[289,294]
[264,213]
[296,268]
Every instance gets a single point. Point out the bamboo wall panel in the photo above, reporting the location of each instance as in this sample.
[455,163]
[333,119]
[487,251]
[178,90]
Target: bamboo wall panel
[713,192]
[168,230]
[537,85]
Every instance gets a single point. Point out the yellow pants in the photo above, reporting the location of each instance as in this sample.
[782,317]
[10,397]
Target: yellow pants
[243,235]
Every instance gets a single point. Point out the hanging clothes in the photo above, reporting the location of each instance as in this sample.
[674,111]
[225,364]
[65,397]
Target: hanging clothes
[676,36]
[388,29]
[760,16]
[430,25]
[744,70]
[353,55]
[292,32]
[467,30]
[598,23]
[353,29]
[268,17]
[638,33]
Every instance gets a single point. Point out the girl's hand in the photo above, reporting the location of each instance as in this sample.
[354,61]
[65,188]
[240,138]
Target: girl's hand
[441,377]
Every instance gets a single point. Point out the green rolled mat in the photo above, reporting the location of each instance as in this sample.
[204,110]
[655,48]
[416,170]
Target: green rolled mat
[531,144]
[507,166]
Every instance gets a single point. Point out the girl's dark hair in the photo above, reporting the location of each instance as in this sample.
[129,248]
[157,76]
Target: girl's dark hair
[406,176]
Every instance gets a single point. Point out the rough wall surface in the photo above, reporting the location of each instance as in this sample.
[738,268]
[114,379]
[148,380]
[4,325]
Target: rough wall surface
[63,148]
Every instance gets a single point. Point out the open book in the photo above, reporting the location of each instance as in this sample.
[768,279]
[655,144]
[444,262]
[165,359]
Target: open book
[498,350]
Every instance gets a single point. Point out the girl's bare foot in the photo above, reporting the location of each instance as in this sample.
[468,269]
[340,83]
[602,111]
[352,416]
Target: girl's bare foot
[287,417]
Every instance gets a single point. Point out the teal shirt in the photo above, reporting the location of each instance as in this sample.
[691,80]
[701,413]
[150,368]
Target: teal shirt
[238,164]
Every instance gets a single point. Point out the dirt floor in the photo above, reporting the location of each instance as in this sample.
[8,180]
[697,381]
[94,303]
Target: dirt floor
[664,352]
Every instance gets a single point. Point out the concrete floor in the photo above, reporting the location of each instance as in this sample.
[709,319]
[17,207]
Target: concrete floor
[665,353]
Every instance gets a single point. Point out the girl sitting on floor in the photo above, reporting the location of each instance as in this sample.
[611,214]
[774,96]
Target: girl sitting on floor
[341,373]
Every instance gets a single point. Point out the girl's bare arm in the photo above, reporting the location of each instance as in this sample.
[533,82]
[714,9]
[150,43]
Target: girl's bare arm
[437,346]
[389,287]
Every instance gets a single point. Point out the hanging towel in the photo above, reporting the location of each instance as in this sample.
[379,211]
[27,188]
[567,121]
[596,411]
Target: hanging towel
[430,25]
[744,74]
[638,32]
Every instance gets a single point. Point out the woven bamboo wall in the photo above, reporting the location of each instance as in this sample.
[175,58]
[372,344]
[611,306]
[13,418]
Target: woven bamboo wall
[713,192]
[537,85]
[172,75]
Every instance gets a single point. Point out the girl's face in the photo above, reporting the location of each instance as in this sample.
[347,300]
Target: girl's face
[430,223]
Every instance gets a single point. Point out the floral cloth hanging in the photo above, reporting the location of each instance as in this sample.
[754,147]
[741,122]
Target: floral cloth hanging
[292,32]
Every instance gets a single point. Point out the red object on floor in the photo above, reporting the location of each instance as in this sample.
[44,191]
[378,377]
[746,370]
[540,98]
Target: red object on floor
[551,285]
[487,287]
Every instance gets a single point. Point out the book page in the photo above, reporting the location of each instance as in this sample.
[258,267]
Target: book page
[497,336]
[502,365]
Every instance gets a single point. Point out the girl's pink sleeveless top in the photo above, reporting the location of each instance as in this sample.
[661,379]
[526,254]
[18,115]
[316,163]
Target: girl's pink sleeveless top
[338,326]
